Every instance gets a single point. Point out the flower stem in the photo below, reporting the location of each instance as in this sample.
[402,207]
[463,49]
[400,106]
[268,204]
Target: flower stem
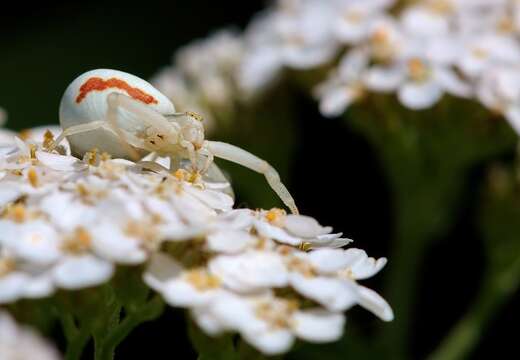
[494,293]
[77,339]
[106,343]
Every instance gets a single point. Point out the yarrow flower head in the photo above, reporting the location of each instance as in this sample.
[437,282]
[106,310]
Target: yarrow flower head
[418,51]
[67,223]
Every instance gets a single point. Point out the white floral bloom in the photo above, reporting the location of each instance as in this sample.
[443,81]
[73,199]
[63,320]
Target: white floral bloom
[486,51]
[179,286]
[21,343]
[54,228]
[355,18]
[67,224]
[345,85]
[231,288]
[202,78]
[268,323]
[419,84]
[499,90]
[298,36]
[19,280]
[425,21]
[329,276]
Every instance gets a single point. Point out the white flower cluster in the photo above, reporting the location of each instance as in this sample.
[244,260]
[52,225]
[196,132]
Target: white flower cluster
[202,78]
[66,223]
[20,343]
[418,50]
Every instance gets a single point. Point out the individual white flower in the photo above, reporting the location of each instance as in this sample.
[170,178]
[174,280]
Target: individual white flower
[251,271]
[419,84]
[296,229]
[81,271]
[355,18]
[298,36]
[480,53]
[21,343]
[179,286]
[329,276]
[32,241]
[345,85]
[499,90]
[19,280]
[425,21]
[268,323]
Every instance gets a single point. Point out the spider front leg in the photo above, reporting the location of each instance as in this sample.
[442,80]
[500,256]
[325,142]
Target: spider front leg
[240,156]
[76,129]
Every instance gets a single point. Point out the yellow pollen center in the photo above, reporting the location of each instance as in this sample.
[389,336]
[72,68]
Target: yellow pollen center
[6,266]
[480,53]
[79,242]
[275,216]
[442,7]
[277,315]
[506,25]
[91,157]
[417,70]
[194,115]
[302,267]
[202,280]
[32,176]
[32,150]
[16,213]
[48,139]
[25,134]
[353,16]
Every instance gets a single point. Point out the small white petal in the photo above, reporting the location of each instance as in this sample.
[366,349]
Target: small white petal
[77,272]
[251,271]
[318,325]
[333,294]
[374,303]
[9,192]
[329,240]
[270,342]
[335,101]
[111,243]
[327,261]
[418,96]
[384,79]
[230,241]
[206,321]
[214,199]
[59,162]
[11,286]
[161,269]
[270,231]
[305,226]
[512,115]
[34,241]
[367,267]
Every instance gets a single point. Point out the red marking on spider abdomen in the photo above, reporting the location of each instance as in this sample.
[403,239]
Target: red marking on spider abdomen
[98,84]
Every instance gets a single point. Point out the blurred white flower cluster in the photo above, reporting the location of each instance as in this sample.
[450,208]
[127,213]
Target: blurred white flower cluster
[419,50]
[66,223]
[20,343]
[202,78]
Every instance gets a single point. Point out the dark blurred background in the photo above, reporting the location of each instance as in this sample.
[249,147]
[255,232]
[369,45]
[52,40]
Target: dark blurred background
[43,46]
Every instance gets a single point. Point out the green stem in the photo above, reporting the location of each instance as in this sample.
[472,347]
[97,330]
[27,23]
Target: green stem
[408,253]
[77,339]
[106,343]
[76,346]
[464,336]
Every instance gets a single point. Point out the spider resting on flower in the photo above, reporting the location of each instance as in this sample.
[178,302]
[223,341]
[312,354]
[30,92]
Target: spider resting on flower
[127,117]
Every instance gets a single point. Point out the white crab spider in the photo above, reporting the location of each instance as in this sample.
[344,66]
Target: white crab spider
[124,115]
